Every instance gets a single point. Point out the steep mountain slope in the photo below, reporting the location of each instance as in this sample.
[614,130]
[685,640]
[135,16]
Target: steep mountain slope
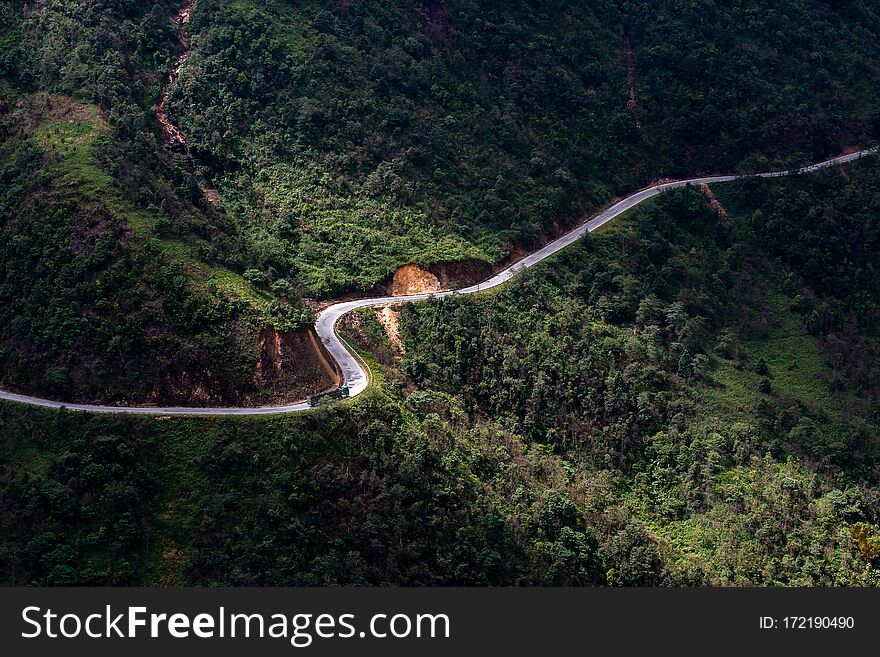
[114,285]
[436,131]
[670,401]
[719,358]
[688,397]
[347,140]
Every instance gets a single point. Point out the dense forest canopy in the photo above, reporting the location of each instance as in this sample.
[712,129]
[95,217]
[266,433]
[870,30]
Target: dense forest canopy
[675,400]
[689,396]
[450,130]
[110,289]
[345,140]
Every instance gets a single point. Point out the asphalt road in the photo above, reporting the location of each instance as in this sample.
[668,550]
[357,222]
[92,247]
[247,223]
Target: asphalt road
[353,373]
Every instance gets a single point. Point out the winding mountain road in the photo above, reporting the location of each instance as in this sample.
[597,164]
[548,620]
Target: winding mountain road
[352,371]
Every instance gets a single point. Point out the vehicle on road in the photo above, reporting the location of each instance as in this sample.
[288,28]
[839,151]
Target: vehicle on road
[324,397]
[354,376]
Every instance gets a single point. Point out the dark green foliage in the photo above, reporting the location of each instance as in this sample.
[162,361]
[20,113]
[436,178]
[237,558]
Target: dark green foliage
[76,502]
[90,306]
[393,502]
[589,351]
[116,282]
[595,422]
[644,349]
[360,496]
[351,138]
[344,129]
[827,232]
[686,398]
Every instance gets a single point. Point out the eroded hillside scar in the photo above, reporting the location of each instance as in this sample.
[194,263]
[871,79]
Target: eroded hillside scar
[174,137]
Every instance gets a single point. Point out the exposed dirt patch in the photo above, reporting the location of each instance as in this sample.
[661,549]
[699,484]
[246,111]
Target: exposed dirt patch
[210,195]
[412,279]
[389,318]
[292,364]
[632,102]
[187,388]
[175,139]
[714,202]
[461,274]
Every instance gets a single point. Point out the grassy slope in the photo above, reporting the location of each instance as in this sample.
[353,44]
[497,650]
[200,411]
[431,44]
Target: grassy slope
[768,330]
[714,508]
[835,417]
[98,260]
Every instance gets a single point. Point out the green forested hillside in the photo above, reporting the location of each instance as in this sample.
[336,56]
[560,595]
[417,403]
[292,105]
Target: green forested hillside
[348,139]
[723,366]
[116,282]
[689,396]
[674,400]
[432,131]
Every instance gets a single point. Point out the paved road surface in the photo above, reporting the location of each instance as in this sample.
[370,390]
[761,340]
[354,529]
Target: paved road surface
[353,373]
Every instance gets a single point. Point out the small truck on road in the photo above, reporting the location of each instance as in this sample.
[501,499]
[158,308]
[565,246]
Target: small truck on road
[321,398]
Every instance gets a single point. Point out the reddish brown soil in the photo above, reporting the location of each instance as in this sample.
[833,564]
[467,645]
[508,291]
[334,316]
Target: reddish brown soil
[714,202]
[629,56]
[175,140]
[389,318]
[291,365]
[412,279]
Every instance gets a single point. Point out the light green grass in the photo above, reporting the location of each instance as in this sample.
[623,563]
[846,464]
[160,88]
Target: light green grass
[76,173]
[30,458]
[798,368]
[203,276]
[70,146]
[343,235]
